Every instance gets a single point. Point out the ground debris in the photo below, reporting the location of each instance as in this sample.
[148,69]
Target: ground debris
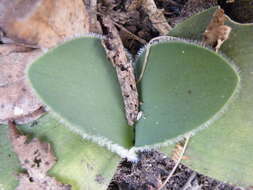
[117,54]
[216,32]
[6,49]
[153,167]
[37,158]
[38,23]
[156,17]
[91,9]
[191,7]
[17,102]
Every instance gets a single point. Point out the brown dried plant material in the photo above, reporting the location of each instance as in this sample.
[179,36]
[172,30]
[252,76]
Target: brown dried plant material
[180,157]
[216,32]
[156,17]
[42,23]
[177,151]
[6,49]
[37,158]
[17,102]
[116,53]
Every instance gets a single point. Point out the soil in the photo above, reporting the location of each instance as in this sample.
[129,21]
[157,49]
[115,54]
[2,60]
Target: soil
[153,168]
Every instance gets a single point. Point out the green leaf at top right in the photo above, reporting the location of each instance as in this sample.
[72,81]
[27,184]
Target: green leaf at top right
[185,87]
[224,151]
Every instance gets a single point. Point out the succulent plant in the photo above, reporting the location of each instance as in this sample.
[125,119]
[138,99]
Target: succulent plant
[184,87]
[224,150]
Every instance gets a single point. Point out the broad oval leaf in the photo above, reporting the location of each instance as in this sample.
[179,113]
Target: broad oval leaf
[80,86]
[224,150]
[185,87]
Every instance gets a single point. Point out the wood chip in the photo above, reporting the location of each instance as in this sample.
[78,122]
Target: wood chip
[16,97]
[37,158]
[42,23]
[216,32]
[116,53]
[156,17]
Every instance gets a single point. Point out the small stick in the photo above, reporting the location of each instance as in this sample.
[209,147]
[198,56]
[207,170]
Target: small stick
[135,37]
[158,38]
[176,165]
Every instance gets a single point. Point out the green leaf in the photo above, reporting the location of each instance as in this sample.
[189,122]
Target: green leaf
[80,163]
[80,86]
[185,87]
[224,150]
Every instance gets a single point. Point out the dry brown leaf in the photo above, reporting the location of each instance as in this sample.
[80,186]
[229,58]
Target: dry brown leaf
[42,23]
[16,98]
[37,158]
[116,53]
[216,32]
[177,151]
[156,17]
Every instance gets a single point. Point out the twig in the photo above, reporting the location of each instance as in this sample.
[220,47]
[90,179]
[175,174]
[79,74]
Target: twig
[147,54]
[176,165]
[155,16]
[145,62]
[135,37]
[22,119]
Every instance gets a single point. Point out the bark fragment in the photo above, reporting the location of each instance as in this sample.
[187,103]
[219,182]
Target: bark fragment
[116,53]
[37,158]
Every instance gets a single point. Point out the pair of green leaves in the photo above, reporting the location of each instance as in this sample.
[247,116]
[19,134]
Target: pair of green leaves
[183,88]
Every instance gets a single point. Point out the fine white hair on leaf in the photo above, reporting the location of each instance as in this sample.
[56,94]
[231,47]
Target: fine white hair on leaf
[102,141]
[205,125]
[216,116]
[129,154]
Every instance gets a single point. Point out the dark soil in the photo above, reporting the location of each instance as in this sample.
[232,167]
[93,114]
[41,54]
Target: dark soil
[153,168]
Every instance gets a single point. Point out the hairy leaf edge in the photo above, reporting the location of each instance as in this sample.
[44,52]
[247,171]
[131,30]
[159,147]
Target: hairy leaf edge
[217,115]
[129,154]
